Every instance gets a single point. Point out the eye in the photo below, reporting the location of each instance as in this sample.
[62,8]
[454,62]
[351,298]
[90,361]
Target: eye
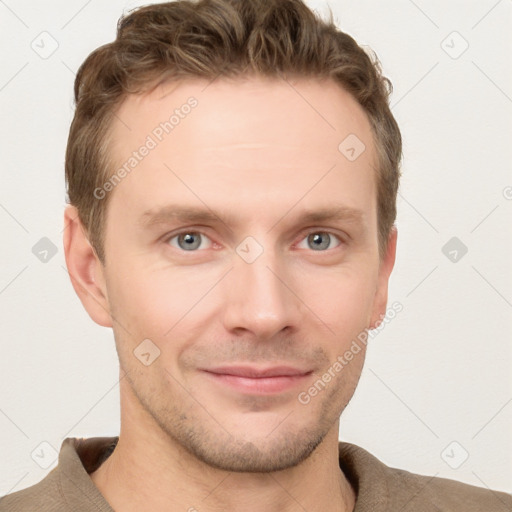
[320,240]
[188,240]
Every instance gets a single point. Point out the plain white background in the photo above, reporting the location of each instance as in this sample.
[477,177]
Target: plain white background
[437,384]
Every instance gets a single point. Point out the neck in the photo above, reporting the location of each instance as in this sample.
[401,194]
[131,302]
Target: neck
[148,470]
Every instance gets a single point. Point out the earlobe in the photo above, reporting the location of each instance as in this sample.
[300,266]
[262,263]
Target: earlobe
[385,268]
[85,270]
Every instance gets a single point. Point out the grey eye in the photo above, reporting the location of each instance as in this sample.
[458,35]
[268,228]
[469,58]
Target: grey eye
[320,240]
[188,240]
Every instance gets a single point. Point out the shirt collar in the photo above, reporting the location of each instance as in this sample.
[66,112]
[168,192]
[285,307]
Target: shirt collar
[80,456]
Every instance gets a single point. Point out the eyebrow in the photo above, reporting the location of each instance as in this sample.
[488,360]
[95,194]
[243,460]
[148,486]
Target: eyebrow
[177,213]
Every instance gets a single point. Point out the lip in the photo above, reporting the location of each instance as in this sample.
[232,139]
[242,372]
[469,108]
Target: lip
[255,372]
[258,380]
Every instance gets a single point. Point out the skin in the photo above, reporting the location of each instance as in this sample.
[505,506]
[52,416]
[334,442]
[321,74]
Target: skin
[257,153]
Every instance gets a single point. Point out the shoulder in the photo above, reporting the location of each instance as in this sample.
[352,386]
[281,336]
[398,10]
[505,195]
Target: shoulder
[420,493]
[44,496]
[382,488]
[68,485]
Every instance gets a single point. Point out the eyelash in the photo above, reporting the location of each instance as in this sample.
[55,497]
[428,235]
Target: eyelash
[168,238]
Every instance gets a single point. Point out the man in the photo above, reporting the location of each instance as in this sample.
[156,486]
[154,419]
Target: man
[232,170]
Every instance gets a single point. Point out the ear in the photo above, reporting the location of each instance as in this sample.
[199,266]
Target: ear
[385,268]
[85,269]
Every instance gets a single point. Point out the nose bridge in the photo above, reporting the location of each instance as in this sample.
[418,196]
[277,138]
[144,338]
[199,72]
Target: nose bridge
[258,300]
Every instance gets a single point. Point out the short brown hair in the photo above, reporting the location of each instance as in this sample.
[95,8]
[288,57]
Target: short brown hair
[207,39]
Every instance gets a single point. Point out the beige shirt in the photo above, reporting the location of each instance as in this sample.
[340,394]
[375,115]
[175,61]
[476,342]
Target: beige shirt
[379,488]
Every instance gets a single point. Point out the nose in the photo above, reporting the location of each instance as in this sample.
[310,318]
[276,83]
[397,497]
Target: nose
[260,297]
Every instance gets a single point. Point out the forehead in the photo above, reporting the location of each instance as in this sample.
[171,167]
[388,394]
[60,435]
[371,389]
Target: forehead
[270,140]
[232,109]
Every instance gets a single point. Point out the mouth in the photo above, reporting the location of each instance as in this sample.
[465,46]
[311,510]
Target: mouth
[259,381]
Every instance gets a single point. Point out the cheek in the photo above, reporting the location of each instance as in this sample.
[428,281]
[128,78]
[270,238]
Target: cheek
[165,306]
[143,305]
[340,298]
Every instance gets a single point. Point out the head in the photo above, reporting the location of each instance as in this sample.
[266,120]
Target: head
[203,136]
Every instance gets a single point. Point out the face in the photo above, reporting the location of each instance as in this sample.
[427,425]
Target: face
[243,246]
